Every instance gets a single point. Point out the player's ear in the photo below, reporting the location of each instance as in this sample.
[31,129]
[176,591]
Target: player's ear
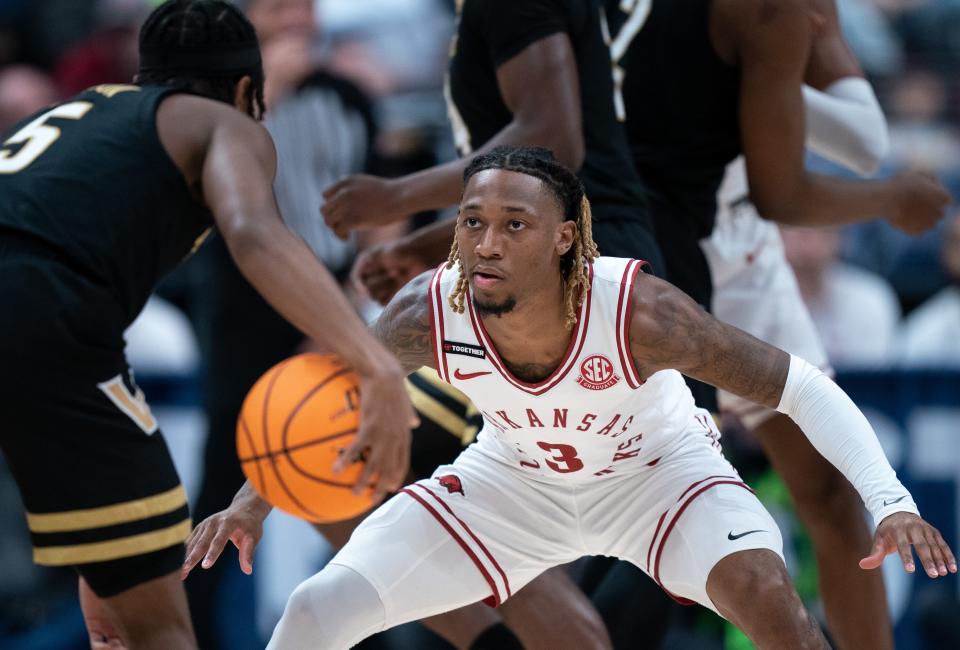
[241,95]
[565,236]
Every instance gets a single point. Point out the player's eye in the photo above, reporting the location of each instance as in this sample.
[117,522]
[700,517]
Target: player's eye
[471,222]
[516,225]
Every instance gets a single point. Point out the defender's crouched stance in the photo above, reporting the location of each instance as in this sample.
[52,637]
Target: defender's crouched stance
[592,444]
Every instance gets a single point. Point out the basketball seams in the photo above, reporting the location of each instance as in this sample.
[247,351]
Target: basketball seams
[266,441]
[285,450]
[255,458]
[306,398]
[299,446]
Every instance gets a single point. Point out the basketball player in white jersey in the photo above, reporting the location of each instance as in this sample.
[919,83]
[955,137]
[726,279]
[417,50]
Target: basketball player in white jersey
[591,444]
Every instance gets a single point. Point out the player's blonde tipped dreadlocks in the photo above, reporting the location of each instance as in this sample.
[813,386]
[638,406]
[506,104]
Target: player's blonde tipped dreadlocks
[539,162]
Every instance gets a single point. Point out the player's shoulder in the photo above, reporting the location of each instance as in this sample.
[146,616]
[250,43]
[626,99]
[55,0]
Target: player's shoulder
[656,306]
[188,125]
[205,113]
[744,15]
[413,298]
[614,270]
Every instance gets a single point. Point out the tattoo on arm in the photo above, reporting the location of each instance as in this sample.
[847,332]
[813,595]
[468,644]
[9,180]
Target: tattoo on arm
[404,326]
[669,330]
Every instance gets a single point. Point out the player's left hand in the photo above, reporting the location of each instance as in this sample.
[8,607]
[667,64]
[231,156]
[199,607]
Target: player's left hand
[901,530]
[384,269]
[360,202]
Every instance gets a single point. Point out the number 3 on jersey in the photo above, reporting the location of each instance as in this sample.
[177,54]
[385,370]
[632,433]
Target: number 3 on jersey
[565,460]
[37,136]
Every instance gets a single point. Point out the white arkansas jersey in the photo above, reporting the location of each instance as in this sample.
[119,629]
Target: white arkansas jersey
[594,416]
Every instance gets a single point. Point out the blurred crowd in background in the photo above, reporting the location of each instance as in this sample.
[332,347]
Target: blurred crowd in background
[357,86]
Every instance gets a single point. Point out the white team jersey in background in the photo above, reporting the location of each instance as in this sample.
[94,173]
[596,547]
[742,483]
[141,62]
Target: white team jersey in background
[594,416]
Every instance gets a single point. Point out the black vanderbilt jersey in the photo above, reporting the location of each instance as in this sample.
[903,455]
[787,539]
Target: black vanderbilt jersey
[90,179]
[681,102]
[490,33]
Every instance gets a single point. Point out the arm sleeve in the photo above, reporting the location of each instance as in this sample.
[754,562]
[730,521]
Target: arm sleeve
[509,26]
[841,433]
[846,124]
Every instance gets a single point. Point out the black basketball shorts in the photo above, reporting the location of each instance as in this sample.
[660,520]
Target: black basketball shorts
[98,484]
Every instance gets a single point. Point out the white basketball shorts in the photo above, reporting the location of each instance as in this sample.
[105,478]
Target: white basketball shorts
[754,287]
[480,529]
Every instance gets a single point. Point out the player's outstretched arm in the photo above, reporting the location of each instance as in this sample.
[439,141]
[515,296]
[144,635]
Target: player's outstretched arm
[669,330]
[231,160]
[540,88]
[772,42]
[404,326]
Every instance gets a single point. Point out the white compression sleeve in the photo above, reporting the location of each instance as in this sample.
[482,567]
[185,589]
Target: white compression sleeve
[846,124]
[841,433]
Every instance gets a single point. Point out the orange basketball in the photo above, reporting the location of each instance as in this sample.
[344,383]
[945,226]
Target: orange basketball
[294,422]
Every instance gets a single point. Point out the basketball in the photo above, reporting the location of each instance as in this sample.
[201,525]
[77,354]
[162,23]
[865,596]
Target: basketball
[294,422]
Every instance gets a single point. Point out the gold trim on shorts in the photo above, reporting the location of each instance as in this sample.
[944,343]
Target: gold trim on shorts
[113,549]
[118,513]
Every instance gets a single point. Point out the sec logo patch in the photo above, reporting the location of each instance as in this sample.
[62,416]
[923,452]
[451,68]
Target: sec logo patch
[596,373]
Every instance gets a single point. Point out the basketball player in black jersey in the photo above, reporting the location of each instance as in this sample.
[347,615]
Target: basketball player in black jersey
[728,80]
[521,72]
[100,196]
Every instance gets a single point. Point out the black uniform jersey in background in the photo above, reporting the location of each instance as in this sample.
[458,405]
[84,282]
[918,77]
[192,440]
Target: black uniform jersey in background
[91,179]
[682,121]
[682,105]
[490,33]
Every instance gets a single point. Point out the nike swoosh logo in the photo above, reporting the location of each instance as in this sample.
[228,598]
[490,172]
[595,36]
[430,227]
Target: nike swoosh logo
[469,375]
[890,502]
[732,537]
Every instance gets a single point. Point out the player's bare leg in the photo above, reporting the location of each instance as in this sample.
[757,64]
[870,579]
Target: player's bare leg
[832,513]
[752,589]
[150,616]
[542,615]
[102,631]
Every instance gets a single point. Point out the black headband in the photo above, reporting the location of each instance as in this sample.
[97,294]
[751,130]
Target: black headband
[223,60]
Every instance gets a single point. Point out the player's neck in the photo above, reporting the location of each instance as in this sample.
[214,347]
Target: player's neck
[533,333]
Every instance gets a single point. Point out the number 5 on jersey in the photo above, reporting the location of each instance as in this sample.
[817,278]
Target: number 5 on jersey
[37,136]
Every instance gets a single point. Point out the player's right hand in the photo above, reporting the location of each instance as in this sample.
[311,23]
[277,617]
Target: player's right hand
[241,523]
[898,532]
[361,202]
[921,202]
[384,269]
[384,438]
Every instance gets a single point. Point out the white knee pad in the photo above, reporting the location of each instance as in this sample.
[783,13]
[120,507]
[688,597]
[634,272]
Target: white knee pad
[333,610]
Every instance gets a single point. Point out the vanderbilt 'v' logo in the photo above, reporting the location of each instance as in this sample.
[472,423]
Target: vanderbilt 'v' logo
[135,406]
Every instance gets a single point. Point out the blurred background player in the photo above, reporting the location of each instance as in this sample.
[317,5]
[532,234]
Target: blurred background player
[741,94]
[94,264]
